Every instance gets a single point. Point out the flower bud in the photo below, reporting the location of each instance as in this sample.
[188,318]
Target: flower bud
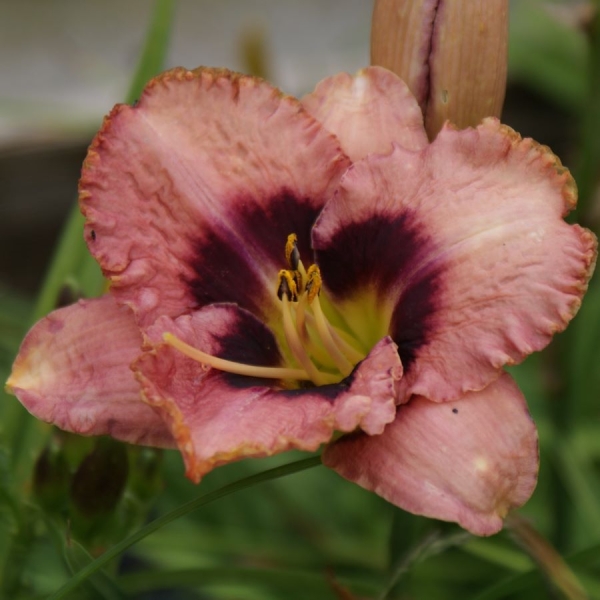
[51,478]
[452,54]
[100,479]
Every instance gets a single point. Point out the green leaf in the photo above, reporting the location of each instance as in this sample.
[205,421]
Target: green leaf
[202,500]
[70,257]
[100,584]
[528,581]
[579,480]
[155,48]
[586,173]
[550,562]
[494,550]
[76,557]
[407,530]
[584,353]
[15,310]
[431,544]
[547,55]
[285,583]
[72,261]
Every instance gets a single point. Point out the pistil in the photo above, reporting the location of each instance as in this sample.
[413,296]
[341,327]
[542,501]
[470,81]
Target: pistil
[301,317]
[349,351]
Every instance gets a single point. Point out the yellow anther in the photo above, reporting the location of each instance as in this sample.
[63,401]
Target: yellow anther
[313,282]
[292,254]
[286,285]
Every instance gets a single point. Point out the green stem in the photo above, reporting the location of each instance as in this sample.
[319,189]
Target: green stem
[226,490]
[526,582]
[430,545]
[548,559]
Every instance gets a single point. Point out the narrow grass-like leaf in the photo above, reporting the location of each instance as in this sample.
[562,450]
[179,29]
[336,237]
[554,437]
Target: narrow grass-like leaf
[547,55]
[528,581]
[580,481]
[155,48]
[117,549]
[72,257]
[586,174]
[289,583]
[75,557]
[551,563]
[15,312]
[433,543]
[491,550]
[71,260]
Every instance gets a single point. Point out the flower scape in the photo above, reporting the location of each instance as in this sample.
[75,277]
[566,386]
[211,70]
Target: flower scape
[286,274]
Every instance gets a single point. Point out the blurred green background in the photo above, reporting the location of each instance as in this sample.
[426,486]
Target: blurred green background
[64,500]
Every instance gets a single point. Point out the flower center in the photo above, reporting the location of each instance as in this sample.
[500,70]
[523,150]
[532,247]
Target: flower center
[324,353]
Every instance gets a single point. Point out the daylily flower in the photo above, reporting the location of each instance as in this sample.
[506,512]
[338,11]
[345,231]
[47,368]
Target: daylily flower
[284,271]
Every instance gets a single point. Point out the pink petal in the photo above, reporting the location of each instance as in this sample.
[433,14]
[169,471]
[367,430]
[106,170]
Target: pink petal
[190,194]
[469,461]
[464,247]
[218,417]
[73,370]
[368,112]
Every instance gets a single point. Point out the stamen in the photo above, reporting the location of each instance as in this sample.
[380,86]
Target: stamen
[298,281]
[301,316]
[301,270]
[351,353]
[301,287]
[301,319]
[297,348]
[286,286]
[313,288]
[234,367]
[341,362]
[313,282]
[292,254]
